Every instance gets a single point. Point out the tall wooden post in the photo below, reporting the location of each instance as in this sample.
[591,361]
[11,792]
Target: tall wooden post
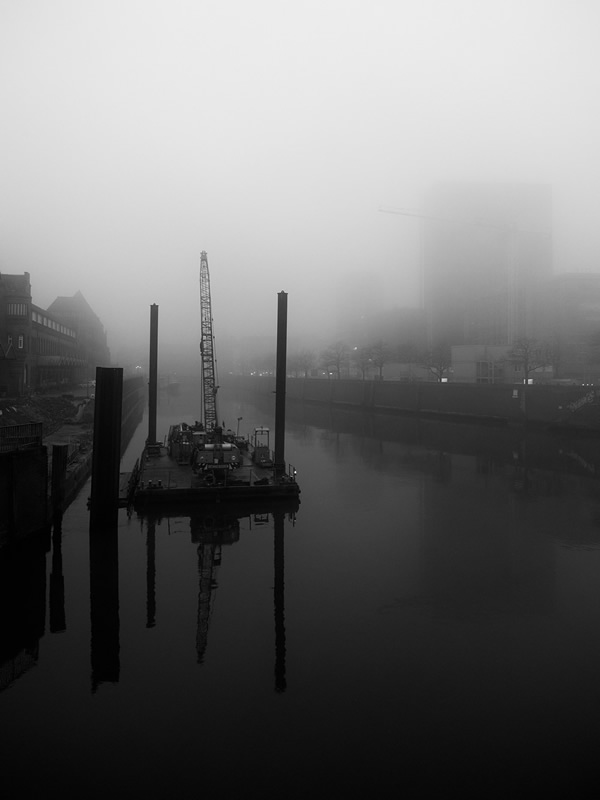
[280,381]
[106,455]
[153,375]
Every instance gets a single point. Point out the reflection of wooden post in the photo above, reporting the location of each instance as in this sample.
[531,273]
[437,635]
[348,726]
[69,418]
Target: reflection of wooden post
[280,381]
[104,602]
[60,453]
[278,596]
[57,582]
[106,456]
[151,575]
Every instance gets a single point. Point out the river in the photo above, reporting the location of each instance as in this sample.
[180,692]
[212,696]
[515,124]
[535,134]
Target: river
[428,621]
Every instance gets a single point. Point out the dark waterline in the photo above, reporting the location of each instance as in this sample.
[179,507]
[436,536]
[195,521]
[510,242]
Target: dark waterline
[429,620]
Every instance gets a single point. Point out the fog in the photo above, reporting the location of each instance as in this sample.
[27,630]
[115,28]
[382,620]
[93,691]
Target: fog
[136,134]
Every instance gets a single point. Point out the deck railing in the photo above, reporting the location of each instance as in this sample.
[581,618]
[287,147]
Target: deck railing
[20,437]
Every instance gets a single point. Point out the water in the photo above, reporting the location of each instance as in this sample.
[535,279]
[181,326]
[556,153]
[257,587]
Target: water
[437,628]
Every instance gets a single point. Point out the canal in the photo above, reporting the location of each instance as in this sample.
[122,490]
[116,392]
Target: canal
[428,621]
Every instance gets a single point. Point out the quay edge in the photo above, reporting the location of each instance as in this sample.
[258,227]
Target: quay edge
[27,468]
[569,408]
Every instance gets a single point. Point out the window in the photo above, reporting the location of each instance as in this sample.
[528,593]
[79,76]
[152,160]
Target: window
[20,344]
[483,371]
[16,309]
[489,372]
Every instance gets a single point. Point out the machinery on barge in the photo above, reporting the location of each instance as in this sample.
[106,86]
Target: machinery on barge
[204,461]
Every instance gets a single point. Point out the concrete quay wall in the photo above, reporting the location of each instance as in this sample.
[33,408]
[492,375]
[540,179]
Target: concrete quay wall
[571,406]
[27,504]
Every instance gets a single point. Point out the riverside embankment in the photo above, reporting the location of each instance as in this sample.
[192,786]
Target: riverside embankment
[46,445]
[571,407]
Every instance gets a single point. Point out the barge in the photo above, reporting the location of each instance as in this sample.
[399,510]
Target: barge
[205,463]
[194,466]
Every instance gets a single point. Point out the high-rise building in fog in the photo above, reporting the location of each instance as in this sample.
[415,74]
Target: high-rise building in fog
[487,248]
[569,320]
[358,305]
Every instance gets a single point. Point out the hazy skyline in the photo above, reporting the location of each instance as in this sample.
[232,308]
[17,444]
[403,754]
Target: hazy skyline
[137,134]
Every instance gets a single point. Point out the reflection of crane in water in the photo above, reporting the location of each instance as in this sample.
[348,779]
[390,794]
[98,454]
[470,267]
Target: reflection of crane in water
[209,560]
[211,533]
[211,529]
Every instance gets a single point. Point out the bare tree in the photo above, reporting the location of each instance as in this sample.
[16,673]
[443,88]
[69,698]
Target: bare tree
[530,354]
[361,356]
[306,360]
[335,356]
[380,355]
[293,364]
[438,361]
[593,347]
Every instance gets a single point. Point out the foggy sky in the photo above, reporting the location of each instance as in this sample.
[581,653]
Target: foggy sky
[135,134]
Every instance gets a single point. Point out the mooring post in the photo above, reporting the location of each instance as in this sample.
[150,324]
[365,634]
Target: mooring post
[280,381]
[153,375]
[106,454]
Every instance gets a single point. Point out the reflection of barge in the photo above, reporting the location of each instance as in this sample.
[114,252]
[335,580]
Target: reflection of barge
[214,527]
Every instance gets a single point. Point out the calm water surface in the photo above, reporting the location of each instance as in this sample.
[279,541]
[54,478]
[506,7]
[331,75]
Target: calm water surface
[429,620]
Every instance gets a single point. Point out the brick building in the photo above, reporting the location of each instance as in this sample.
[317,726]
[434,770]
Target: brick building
[45,349]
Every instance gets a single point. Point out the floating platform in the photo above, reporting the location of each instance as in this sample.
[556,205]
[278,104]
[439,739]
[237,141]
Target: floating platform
[161,479]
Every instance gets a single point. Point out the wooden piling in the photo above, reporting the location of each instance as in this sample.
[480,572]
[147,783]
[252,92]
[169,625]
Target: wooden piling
[280,382]
[153,375]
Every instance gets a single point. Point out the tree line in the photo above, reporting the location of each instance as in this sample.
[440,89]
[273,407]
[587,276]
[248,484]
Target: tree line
[369,360]
[366,362]
[339,358]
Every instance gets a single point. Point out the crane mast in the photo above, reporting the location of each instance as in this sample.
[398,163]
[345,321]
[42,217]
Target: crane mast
[209,385]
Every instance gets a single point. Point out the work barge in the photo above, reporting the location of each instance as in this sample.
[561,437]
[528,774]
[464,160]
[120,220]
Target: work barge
[205,464]
[193,466]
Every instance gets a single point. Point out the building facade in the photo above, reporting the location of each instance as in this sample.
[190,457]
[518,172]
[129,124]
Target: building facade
[569,321]
[46,349]
[78,315]
[487,248]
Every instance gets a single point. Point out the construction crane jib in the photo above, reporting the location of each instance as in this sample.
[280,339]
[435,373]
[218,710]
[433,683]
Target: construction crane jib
[207,354]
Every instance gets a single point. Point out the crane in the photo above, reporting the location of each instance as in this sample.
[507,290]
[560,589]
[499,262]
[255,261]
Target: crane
[209,384]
